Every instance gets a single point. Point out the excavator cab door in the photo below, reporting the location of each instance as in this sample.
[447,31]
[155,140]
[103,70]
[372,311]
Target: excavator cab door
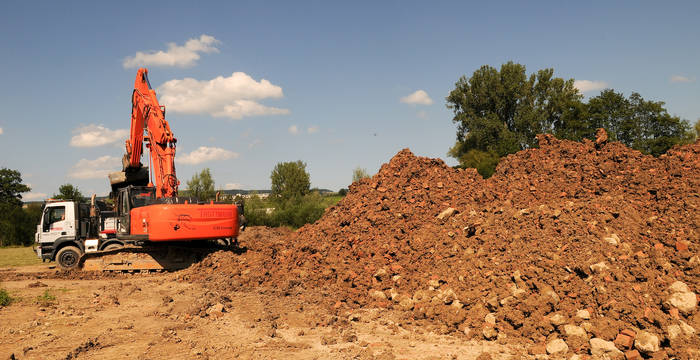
[123,210]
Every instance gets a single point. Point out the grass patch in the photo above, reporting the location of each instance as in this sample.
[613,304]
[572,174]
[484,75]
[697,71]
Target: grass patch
[18,256]
[5,298]
[330,200]
[46,299]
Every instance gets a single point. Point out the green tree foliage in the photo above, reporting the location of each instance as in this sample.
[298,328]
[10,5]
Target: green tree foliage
[69,192]
[11,187]
[291,202]
[295,212]
[499,112]
[359,174]
[290,181]
[17,225]
[640,124]
[201,185]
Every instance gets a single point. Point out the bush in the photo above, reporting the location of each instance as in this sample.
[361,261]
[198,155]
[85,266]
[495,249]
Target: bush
[484,162]
[295,212]
[5,298]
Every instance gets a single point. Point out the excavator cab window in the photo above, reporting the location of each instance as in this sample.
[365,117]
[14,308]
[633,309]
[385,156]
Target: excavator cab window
[142,197]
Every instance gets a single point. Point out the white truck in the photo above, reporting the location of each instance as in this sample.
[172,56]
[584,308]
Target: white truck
[68,229]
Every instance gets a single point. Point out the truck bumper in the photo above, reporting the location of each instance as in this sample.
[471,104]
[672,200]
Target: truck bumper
[44,252]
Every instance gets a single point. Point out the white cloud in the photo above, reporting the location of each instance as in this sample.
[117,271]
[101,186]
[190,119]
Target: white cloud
[97,135]
[681,79]
[95,169]
[180,56]
[233,186]
[234,97]
[205,154]
[294,130]
[34,196]
[312,129]
[588,85]
[254,143]
[419,97]
[1,131]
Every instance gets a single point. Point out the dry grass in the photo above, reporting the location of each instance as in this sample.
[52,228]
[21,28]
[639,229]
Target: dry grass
[18,256]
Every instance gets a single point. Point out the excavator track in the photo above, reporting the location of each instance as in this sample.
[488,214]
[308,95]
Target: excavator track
[143,258]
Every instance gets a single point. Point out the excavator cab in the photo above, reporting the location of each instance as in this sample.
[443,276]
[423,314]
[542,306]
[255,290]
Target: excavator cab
[128,198]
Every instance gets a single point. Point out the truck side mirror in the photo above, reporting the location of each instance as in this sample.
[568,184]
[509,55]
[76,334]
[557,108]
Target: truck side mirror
[45,221]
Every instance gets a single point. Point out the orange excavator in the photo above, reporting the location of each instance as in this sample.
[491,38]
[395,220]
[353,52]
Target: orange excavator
[150,227]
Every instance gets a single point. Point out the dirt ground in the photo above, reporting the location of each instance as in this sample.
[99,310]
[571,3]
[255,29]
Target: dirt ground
[572,250]
[159,316]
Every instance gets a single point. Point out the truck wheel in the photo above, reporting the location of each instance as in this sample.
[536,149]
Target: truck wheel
[67,258]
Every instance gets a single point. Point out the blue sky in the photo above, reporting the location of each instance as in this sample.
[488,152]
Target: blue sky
[336,72]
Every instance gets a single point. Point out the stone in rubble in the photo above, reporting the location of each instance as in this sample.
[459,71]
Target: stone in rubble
[573,330]
[557,319]
[381,274]
[583,314]
[601,138]
[490,318]
[673,331]
[551,296]
[556,347]
[599,267]
[405,303]
[489,332]
[687,329]
[647,342]
[685,302]
[218,308]
[377,294]
[447,296]
[447,213]
[679,287]
[612,239]
[601,348]
[393,294]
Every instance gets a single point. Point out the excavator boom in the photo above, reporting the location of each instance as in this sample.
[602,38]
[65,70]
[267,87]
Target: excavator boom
[147,115]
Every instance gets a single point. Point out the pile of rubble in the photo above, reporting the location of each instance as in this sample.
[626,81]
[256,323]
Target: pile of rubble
[572,248]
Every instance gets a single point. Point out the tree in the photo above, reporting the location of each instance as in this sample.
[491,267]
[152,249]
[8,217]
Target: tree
[500,112]
[359,174]
[201,185]
[16,225]
[290,180]
[640,124]
[11,187]
[69,192]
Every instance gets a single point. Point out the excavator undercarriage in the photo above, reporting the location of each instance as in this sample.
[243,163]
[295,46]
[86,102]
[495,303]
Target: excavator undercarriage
[150,258]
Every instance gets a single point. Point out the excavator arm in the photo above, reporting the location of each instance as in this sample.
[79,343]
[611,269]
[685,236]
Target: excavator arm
[147,116]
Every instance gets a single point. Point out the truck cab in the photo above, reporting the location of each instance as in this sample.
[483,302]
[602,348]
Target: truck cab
[67,230]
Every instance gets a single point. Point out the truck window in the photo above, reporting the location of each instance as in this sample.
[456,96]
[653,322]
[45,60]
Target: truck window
[57,213]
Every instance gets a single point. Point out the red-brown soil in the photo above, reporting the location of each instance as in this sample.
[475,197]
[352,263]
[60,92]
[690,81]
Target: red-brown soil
[558,229]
